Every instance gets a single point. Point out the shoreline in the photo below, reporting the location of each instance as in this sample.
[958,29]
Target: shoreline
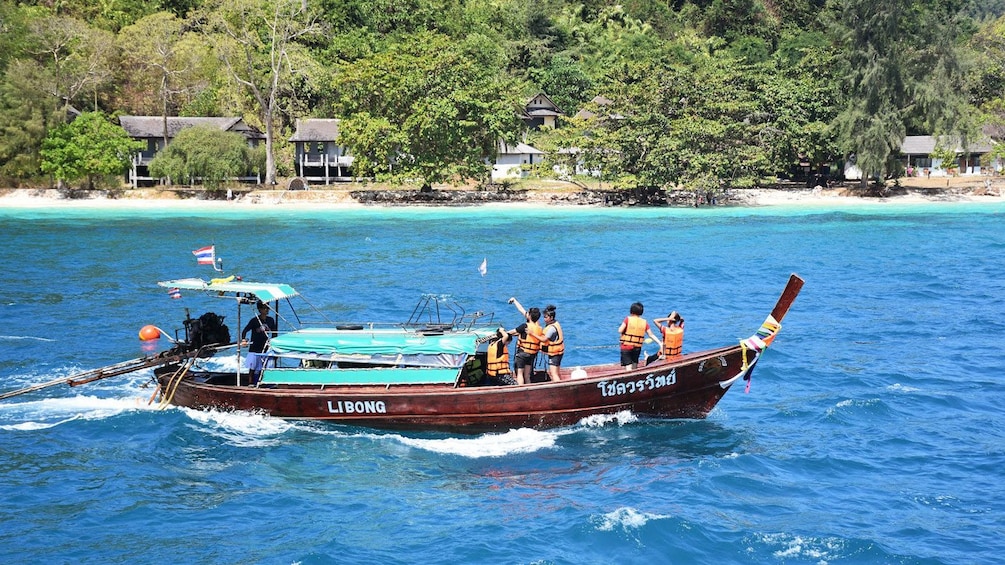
[940,190]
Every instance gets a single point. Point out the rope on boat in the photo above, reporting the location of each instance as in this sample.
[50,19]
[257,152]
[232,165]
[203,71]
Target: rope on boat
[173,382]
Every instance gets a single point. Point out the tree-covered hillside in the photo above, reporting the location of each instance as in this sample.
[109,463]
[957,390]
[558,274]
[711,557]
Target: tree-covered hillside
[700,94]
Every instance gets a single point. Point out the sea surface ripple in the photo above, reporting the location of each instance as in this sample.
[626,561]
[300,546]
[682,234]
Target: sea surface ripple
[872,433]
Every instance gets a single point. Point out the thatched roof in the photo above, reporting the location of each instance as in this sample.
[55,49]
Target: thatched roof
[316,129]
[141,127]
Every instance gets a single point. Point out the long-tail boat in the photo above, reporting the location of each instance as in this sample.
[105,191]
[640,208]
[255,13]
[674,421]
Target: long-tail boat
[424,374]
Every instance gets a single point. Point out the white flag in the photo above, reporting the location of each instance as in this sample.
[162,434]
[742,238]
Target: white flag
[484,267]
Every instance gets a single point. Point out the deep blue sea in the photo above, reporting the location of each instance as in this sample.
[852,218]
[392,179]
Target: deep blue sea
[874,430]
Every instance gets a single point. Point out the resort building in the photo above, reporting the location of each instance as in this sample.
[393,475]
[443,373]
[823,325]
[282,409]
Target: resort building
[319,157]
[916,156]
[157,131]
[541,112]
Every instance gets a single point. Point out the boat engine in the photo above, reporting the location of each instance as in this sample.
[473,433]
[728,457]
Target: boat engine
[207,329]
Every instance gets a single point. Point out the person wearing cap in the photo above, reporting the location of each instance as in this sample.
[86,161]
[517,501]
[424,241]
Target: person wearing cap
[672,328]
[497,371]
[261,328]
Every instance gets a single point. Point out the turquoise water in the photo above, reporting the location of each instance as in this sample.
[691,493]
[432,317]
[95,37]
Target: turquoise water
[873,431]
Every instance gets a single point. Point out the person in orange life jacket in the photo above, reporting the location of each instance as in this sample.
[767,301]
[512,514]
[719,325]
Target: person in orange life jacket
[673,335]
[632,333]
[497,371]
[528,342]
[553,342]
[261,327]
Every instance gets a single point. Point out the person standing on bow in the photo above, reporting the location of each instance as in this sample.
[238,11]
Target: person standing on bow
[553,342]
[528,342]
[672,328]
[261,327]
[632,333]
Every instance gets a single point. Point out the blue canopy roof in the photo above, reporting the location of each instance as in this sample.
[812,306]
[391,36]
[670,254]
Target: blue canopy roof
[266,292]
[377,342]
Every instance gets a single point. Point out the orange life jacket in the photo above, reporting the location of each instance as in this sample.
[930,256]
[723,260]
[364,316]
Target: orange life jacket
[555,346]
[673,342]
[529,343]
[497,362]
[635,332]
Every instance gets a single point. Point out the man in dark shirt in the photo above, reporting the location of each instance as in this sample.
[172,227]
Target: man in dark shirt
[261,327]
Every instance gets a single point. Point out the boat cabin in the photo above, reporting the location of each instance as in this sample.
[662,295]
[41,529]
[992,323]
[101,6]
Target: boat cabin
[439,343]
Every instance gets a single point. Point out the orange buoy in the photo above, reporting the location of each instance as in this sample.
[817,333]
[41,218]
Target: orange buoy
[149,332]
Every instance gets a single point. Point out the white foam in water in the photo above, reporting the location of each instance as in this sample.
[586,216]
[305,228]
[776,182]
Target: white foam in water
[799,548]
[242,428]
[50,412]
[31,426]
[625,518]
[24,337]
[523,440]
[601,420]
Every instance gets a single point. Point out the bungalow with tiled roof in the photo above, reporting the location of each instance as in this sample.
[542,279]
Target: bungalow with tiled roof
[541,112]
[514,161]
[916,155]
[151,131]
[916,152]
[587,113]
[319,157]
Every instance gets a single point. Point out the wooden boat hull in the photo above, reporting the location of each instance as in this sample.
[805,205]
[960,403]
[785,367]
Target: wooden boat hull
[686,388]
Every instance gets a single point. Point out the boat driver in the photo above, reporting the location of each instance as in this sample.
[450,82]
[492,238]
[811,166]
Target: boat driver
[261,328]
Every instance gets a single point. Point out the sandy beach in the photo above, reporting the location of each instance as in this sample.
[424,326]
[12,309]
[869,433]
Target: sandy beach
[958,189]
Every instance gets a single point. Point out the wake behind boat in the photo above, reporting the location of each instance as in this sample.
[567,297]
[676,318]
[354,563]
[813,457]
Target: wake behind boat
[428,373]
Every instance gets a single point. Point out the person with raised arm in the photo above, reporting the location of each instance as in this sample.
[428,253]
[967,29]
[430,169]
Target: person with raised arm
[672,328]
[528,342]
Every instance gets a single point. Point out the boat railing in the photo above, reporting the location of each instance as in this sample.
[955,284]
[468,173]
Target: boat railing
[478,318]
[435,311]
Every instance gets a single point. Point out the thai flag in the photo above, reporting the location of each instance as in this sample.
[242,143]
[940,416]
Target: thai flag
[205,255]
[174,293]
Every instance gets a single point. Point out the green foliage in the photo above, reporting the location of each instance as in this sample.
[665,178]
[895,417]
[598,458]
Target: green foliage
[262,46]
[428,108]
[24,113]
[165,64]
[945,155]
[13,40]
[566,83]
[205,154]
[111,15]
[427,88]
[695,124]
[902,67]
[87,147]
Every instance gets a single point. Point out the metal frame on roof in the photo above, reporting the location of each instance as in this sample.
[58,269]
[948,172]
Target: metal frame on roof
[266,292]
